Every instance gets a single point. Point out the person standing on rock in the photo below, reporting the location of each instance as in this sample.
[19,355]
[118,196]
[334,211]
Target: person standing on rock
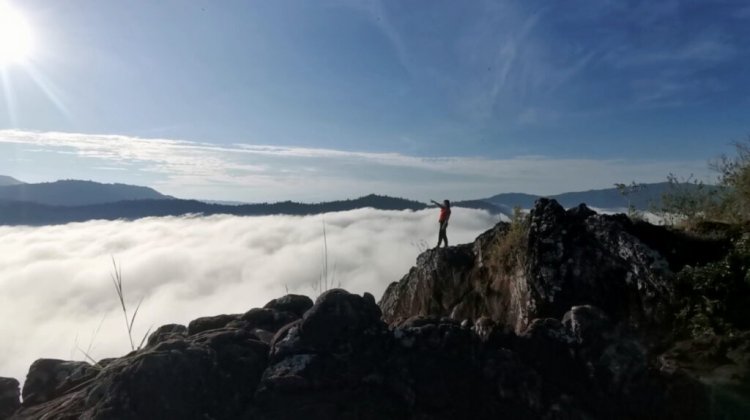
[445,214]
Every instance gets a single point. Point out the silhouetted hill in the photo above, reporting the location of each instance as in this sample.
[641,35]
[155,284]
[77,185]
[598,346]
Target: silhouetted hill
[76,193]
[510,200]
[612,198]
[16,213]
[8,180]
[483,205]
[608,198]
[28,213]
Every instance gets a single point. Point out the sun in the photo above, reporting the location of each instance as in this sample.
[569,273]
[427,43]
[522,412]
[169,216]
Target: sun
[16,41]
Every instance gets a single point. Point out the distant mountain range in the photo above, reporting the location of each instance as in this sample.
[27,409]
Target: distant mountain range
[7,180]
[77,201]
[26,213]
[75,193]
[609,198]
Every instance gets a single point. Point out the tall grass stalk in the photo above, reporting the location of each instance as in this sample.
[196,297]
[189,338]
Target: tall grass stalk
[327,279]
[116,276]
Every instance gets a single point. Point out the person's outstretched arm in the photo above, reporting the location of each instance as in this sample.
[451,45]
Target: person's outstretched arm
[437,204]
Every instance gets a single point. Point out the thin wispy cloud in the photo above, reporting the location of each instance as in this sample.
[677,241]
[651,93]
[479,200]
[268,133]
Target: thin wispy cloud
[263,173]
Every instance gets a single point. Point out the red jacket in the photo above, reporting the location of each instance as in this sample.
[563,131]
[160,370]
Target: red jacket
[445,214]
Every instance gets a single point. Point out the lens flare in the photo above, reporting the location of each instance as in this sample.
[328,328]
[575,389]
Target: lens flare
[16,41]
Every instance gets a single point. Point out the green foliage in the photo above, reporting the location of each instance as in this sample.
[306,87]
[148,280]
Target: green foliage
[734,174]
[513,245]
[691,201]
[688,201]
[627,190]
[715,298]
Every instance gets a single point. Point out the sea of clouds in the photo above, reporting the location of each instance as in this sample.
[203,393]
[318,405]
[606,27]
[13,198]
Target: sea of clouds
[56,294]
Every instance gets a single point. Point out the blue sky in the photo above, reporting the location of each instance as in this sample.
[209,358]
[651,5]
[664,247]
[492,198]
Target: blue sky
[267,100]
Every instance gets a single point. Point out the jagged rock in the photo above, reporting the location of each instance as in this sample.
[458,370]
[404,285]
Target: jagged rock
[566,258]
[166,332]
[444,269]
[10,397]
[50,378]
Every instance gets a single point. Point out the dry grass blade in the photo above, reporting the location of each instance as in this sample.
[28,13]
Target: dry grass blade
[132,320]
[145,336]
[117,280]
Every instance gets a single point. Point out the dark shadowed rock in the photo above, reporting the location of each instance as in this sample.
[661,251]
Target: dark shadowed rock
[335,323]
[321,363]
[49,378]
[296,304]
[338,316]
[438,282]
[166,332]
[10,397]
[208,323]
[587,323]
[264,319]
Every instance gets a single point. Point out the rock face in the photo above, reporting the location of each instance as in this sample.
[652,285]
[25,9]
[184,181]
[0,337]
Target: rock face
[9,397]
[561,259]
[548,325]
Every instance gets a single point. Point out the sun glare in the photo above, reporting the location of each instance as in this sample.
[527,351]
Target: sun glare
[15,37]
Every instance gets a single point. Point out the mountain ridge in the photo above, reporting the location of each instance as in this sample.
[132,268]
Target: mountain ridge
[27,213]
[6,180]
[77,201]
[648,196]
[76,193]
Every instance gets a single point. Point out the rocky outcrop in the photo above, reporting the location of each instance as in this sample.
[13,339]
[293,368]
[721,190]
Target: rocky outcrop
[559,260]
[545,321]
[339,360]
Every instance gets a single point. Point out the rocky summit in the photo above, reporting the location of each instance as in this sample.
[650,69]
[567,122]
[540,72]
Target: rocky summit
[564,314]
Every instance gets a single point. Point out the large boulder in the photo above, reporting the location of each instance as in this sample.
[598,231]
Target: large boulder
[208,323]
[166,332]
[320,363]
[50,378]
[296,304]
[10,397]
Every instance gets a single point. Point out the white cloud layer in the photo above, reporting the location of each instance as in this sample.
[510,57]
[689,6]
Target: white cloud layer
[272,173]
[55,284]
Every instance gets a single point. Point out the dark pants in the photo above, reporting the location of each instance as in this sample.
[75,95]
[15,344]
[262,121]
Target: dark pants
[442,235]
